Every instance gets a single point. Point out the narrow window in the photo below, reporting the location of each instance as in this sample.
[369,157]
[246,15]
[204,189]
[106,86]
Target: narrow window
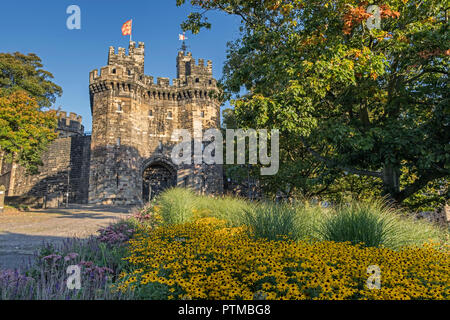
[188,68]
[118,142]
[197,80]
[114,71]
[150,113]
[169,115]
[119,107]
[202,114]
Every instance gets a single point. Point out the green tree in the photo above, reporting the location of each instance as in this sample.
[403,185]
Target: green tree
[24,72]
[25,130]
[27,125]
[369,102]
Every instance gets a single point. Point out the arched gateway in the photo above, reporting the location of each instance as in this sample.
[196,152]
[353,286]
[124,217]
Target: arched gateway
[158,175]
[133,119]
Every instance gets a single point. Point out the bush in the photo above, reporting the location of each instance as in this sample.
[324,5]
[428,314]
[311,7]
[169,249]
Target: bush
[372,223]
[149,215]
[226,208]
[309,220]
[116,234]
[179,205]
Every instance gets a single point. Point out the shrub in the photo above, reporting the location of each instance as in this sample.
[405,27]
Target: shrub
[373,223]
[116,234]
[358,223]
[148,215]
[226,208]
[309,220]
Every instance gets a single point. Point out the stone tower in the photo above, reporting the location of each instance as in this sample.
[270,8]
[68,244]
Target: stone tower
[133,119]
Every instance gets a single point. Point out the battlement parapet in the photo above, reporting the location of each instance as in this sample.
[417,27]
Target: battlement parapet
[69,125]
[124,75]
[118,74]
[187,65]
[133,61]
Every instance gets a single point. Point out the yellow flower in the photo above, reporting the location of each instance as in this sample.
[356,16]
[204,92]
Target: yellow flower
[206,259]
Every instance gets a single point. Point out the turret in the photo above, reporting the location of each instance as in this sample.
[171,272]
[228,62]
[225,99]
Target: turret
[188,68]
[69,125]
[133,62]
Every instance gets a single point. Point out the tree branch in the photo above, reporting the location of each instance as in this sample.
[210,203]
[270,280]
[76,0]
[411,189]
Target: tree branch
[333,164]
[419,184]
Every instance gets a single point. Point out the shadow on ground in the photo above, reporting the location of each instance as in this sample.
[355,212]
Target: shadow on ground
[18,250]
[23,234]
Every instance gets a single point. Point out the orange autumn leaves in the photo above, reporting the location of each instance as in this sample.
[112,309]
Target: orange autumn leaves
[24,128]
[426,54]
[356,15]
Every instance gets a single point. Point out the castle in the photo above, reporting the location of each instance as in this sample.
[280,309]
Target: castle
[127,158]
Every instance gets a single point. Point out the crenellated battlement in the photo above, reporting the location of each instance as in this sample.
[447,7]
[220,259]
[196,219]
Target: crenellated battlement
[124,75]
[187,66]
[69,125]
[127,70]
[133,62]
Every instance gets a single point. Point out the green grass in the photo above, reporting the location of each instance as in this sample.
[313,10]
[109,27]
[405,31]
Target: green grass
[177,205]
[225,208]
[359,223]
[272,221]
[375,224]
[372,222]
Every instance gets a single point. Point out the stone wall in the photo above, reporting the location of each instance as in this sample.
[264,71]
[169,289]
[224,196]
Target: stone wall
[133,121]
[65,170]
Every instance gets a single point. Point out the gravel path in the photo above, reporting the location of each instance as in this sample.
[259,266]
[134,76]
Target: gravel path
[22,233]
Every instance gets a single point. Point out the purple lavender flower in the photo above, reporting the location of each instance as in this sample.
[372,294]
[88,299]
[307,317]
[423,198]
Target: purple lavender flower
[53,257]
[70,256]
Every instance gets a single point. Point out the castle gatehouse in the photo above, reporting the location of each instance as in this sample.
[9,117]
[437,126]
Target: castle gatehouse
[126,160]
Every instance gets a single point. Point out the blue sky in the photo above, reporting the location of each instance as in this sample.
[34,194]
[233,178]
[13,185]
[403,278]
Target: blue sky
[40,27]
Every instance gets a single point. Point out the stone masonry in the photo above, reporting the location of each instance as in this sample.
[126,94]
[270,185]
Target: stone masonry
[133,120]
[126,160]
[65,170]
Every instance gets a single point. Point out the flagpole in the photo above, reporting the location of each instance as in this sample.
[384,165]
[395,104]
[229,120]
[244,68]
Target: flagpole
[131,32]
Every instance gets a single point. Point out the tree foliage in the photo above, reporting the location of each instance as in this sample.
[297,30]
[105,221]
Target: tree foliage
[369,102]
[24,72]
[27,124]
[25,130]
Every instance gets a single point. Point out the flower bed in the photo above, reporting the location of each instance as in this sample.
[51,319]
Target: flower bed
[206,259]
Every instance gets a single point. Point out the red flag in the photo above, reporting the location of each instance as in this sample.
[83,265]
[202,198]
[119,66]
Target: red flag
[182,37]
[126,28]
